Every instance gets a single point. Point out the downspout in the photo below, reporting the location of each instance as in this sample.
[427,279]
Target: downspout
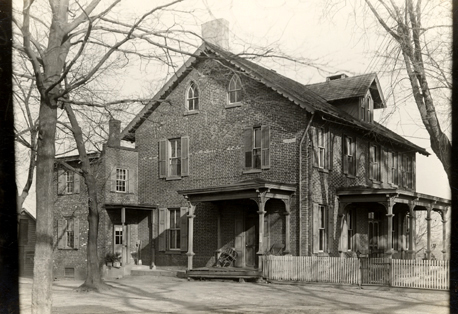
[300,183]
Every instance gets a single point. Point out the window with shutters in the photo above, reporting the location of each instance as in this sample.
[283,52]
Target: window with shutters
[192,97]
[320,228]
[173,230]
[234,90]
[349,156]
[68,233]
[68,182]
[257,148]
[174,158]
[366,111]
[374,162]
[321,148]
[407,172]
[121,180]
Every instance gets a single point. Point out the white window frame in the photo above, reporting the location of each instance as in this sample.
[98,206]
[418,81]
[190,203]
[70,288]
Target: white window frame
[69,182]
[349,155]
[321,148]
[351,224]
[174,228]
[122,180]
[70,232]
[174,157]
[374,164]
[234,88]
[192,97]
[322,228]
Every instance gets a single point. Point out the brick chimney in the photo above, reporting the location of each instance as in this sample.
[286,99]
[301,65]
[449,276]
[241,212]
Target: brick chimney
[114,133]
[216,32]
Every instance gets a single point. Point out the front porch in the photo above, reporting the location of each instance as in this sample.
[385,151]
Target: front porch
[383,222]
[251,218]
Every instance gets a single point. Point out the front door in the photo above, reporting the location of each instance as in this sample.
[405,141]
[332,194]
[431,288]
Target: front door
[251,240]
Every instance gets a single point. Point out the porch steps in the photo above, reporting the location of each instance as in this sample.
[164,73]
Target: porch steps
[157,272]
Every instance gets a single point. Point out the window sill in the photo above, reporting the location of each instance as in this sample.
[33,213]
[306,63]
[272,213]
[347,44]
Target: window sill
[233,105]
[68,249]
[252,171]
[123,193]
[350,176]
[173,252]
[322,169]
[376,181]
[172,178]
[191,112]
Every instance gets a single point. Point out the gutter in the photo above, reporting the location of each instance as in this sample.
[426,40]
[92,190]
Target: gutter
[299,194]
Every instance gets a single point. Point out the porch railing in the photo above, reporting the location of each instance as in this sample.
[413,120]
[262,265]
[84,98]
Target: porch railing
[424,274]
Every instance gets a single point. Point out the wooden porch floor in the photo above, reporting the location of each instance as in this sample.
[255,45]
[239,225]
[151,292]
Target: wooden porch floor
[224,273]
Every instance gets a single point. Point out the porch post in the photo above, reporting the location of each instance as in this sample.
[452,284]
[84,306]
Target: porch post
[428,232]
[124,237]
[190,252]
[287,225]
[412,231]
[218,239]
[444,233]
[261,201]
[389,215]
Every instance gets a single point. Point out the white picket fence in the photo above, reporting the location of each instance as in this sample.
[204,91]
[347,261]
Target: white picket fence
[420,274]
[312,269]
[401,273]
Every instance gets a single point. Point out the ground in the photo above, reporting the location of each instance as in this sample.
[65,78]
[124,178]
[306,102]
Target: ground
[146,294]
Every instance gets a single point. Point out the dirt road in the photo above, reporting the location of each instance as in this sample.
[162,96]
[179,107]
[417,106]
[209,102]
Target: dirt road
[145,294]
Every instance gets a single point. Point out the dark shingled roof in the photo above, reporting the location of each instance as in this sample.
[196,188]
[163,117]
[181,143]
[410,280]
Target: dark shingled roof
[304,96]
[350,87]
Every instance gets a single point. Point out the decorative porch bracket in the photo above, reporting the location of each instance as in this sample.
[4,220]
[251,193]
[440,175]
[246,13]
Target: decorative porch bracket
[287,225]
[191,216]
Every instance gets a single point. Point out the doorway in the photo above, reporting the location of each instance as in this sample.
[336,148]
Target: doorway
[251,239]
[117,239]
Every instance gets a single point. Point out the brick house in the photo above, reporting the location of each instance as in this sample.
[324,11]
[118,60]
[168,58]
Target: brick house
[229,154]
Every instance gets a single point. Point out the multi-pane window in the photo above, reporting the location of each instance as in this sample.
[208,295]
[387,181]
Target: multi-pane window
[257,148]
[350,230]
[174,229]
[366,109]
[374,162]
[322,228]
[392,168]
[192,97]
[408,172]
[69,182]
[121,180]
[70,232]
[175,157]
[349,156]
[321,147]
[118,234]
[235,90]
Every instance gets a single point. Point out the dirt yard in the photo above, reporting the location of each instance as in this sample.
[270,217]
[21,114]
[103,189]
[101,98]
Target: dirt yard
[146,294]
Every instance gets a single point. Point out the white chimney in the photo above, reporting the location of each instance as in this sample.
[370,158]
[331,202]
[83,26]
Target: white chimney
[216,32]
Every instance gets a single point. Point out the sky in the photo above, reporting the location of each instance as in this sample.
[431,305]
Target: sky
[337,39]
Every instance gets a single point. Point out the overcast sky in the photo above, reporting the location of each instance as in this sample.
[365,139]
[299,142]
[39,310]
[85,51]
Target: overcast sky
[337,39]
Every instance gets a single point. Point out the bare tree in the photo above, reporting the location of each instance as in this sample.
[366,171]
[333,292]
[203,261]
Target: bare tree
[423,46]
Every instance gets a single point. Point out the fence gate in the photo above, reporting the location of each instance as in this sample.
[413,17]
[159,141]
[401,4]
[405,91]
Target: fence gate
[375,271]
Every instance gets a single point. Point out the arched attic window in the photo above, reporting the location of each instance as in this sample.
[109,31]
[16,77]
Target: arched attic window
[192,97]
[235,90]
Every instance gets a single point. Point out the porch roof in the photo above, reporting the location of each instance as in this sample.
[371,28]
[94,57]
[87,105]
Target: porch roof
[361,194]
[130,206]
[240,190]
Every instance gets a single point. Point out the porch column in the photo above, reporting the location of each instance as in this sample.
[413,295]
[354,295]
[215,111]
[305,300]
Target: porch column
[287,226]
[444,233]
[428,232]
[124,237]
[191,216]
[389,215]
[218,231]
[412,231]
[261,200]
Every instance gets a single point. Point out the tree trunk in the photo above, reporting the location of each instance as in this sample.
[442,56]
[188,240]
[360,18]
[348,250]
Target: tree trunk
[45,195]
[93,276]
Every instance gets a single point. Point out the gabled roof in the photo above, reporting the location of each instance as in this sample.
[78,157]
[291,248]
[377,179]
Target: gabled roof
[26,212]
[301,95]
[350,87]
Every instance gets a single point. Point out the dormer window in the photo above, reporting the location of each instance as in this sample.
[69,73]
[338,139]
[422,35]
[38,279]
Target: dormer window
[192,97]
[366,112]
[235,90]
